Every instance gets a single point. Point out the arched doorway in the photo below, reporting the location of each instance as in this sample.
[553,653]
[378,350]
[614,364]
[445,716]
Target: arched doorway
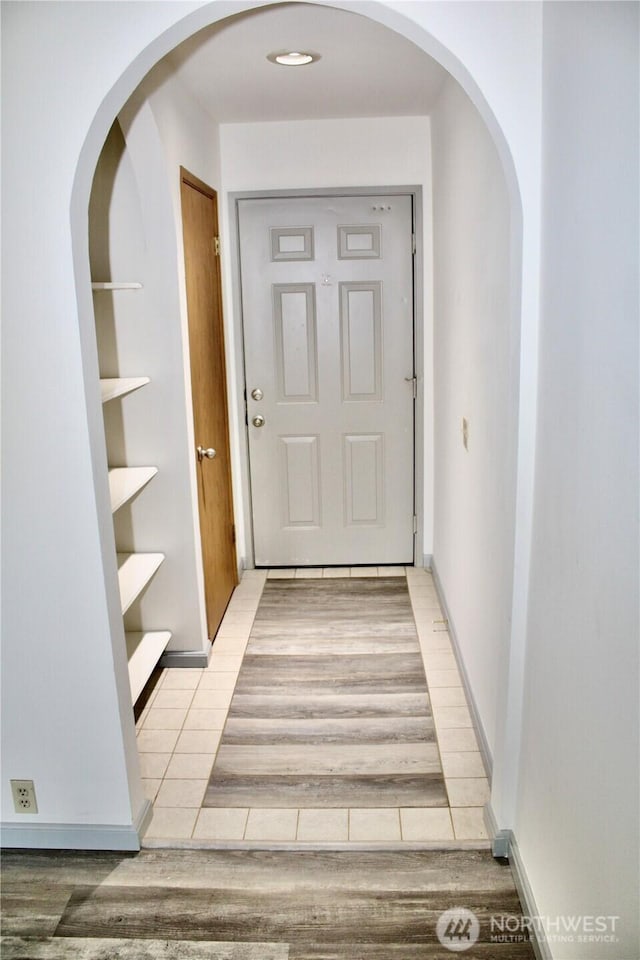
[428,44]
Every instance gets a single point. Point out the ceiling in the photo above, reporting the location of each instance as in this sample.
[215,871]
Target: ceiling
[364,69]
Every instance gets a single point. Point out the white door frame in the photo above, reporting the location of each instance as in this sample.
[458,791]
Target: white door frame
[415,192]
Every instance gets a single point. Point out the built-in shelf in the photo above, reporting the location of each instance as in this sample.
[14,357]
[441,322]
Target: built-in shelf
[143,652]
[125,482]
[119,386]
[135,570]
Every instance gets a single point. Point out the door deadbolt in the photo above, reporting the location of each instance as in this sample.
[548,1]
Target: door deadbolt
[207,452]
[258,421]
[257,394]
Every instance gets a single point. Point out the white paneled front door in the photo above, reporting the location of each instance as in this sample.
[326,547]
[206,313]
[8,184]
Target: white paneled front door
[327,299]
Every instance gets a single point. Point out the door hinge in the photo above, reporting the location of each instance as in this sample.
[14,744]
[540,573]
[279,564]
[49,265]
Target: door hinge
[233,533]
[216,246]
[415,524]
[413,244]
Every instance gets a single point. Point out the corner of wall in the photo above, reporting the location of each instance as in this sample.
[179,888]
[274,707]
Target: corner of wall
[483,743]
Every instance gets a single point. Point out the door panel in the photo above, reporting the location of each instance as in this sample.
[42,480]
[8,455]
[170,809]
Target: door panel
[327,290]
[294,317]
[209,395]
[364,479]
[361,335]
[300,481]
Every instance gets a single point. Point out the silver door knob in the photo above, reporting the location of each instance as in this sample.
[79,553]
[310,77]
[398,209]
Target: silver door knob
[257,394]
[207,452]
[258,421]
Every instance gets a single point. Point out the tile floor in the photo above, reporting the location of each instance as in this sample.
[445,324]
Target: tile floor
[181,726]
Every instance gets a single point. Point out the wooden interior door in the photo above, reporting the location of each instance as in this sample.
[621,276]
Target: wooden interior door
[209,394]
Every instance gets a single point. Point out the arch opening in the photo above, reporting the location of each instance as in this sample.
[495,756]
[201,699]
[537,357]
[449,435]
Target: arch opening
[218,13]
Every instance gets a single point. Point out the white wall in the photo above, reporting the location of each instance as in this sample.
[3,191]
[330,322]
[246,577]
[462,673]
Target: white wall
[329,153]
[60,596]
[133,237]
[64,687]
[475,377]
[68,70]
[577,822]
[165,129]
[190,137]
[376,152]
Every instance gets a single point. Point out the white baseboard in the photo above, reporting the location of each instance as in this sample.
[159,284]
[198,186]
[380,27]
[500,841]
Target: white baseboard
[505,845]
[76,836]
[143,820]
[483,743]
[501,838]
[527,899]
[185,658]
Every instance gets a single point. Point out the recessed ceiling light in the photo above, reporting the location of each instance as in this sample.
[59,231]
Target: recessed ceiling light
[293,58]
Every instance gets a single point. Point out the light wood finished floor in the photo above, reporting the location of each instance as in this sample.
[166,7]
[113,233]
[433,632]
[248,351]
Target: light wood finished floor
[295,739]
[330,708]
[251,905]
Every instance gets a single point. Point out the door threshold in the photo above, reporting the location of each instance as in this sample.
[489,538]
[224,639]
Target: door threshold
[339,847]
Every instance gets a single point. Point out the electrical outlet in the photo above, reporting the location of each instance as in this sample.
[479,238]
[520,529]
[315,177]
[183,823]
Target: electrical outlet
[24,796]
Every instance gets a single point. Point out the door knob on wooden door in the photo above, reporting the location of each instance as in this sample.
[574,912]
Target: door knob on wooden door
[207,452]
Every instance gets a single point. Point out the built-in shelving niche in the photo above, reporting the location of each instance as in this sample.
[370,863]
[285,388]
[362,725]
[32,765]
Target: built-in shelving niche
[135,570]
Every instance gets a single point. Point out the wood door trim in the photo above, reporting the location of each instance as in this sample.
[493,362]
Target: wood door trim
[192,181]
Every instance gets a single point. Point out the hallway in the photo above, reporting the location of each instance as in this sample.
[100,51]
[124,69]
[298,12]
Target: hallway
[392,794]
[527,155]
